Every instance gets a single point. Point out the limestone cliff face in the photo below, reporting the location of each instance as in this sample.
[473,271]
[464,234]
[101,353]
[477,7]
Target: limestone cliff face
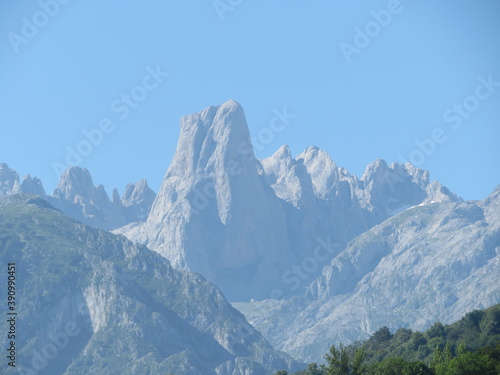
[433,262]
[247,224]
[256,228]
[314,243]
[214,214]
[91,302]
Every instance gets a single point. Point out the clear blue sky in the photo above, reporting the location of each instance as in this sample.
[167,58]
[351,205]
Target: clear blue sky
[266,55]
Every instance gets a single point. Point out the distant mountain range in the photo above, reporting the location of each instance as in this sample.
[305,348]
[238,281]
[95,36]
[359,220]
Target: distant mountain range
[247,224]
[77,197]
[311,254]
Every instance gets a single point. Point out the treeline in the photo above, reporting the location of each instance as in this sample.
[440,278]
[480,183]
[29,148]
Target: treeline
[470,346]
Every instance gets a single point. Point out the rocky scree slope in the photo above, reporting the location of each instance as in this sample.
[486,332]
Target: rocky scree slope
[429,263]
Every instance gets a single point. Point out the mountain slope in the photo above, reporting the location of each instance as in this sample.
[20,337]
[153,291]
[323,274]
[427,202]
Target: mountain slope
[247,224]
[429,263]
[90,302]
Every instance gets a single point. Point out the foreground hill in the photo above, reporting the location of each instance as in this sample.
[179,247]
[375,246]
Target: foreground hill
[90,302]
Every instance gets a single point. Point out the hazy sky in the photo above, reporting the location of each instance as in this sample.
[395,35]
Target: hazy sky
[399,80]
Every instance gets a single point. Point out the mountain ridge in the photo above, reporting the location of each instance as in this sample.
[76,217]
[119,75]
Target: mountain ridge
[429,263]
[107,302]
[244,223]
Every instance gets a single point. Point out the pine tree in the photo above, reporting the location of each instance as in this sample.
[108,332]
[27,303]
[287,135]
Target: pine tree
[338,361]
[358,365]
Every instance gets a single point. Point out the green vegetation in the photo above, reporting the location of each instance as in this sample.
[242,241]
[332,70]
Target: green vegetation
[470,346]
[144,308]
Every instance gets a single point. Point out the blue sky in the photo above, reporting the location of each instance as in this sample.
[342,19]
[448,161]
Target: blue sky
[400,88]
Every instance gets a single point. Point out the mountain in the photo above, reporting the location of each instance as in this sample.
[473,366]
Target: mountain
[10,183]
[265,228]
[90,302]
[432,262]
[138,198]
[77,197]
[329,256]
[257,228]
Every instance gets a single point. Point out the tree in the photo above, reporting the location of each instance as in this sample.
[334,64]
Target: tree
[338,361]
[313,369]
[416,340]
[437,330]
[358,361]
[472,319]
[490,325]
[417,368]
[471,364]
[462,349]
[440,360]
[402,335]
[389,366]
[447,354]
[382,335]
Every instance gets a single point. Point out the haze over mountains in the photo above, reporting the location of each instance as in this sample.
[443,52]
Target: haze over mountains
[328,256]
[77,197]
[91,302]
[245,224]
[429,263]
[257,228]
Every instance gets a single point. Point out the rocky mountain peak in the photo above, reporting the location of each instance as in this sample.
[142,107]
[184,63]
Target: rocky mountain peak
[322,169]
[139,197]
[245,224]
[278,163]
[213,138]
[8,179]
[376,169]
[283,153]
[31,186]
[10,184]
[215,152]
[75,181]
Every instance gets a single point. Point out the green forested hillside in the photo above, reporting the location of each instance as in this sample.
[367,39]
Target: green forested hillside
[470,346]
[91,302]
